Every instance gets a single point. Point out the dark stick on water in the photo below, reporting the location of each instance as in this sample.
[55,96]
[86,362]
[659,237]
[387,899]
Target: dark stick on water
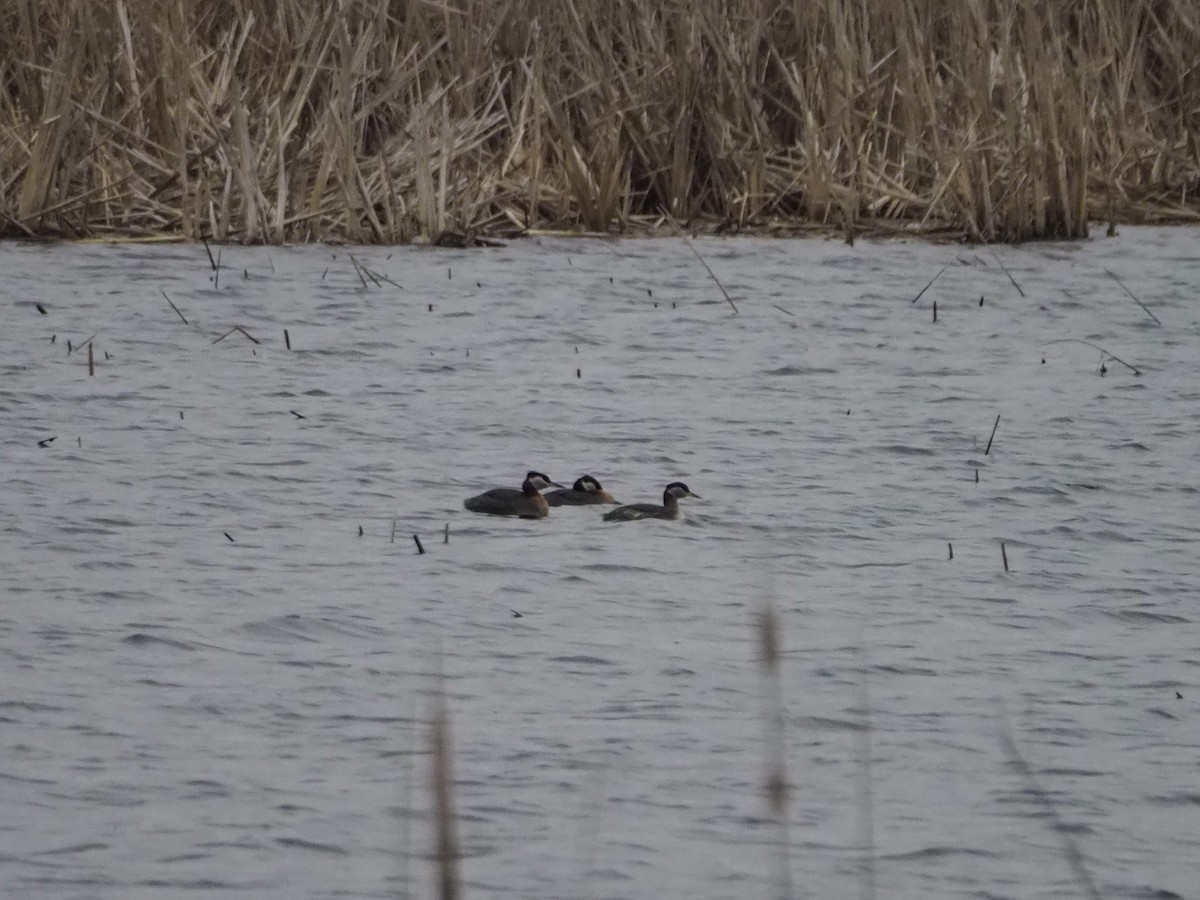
[393,540]
[1004,556]
[296,414]
[782,310]
[921,293]
[173,306]
[91,361]
[235,328]
[360,531]
[420,549]
[40,308]
[995,425]
[951,546]
[358,271]
[447,852]
[287,339]
[775,777]
[711,274]
[1008,273]
[69,347]
[228,535]
[579,373]
[977,476]
[46,442]
[1132,369]
[1061,828]
[865,814]
[935,310]
[446,534]
[217,272]
[363,269]
[379,276]
[212,262]
[181,415]
[1145,308]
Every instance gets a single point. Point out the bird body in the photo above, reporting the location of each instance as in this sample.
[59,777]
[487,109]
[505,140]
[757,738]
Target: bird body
[526,503]
[585,492]
[669,509]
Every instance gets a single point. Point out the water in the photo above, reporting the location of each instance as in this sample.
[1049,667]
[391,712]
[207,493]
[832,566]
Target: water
[214,684]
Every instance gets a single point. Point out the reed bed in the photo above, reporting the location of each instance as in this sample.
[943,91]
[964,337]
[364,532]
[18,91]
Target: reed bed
[394,120]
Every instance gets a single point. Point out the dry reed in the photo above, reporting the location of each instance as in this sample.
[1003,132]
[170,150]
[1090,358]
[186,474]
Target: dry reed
[389,120]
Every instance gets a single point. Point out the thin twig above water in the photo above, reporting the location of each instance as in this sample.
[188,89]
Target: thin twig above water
[711,274]
[1133,296]
[1112,356]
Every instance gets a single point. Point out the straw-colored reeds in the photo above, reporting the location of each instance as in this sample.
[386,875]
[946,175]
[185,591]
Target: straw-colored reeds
[385,120]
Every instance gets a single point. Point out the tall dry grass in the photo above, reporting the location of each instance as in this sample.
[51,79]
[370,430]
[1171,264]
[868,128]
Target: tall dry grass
[382,120]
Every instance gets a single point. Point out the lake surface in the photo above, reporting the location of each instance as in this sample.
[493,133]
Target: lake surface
[220,648]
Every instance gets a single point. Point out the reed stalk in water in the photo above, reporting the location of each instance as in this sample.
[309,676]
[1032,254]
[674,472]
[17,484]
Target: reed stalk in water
[297,120]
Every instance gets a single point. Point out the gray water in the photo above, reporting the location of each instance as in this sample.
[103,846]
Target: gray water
[213,684]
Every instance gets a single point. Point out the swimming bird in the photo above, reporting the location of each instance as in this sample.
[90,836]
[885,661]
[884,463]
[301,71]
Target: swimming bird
[585,492]
[669,510]
[527,503]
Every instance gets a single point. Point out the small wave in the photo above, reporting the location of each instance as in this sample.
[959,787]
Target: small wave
[141,639]
[801,370]
[316,846]
[583,660]
[938,852]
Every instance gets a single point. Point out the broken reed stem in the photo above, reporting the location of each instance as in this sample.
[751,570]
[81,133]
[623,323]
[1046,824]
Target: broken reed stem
[173,306]
[287,339]
[443,798]
[358,271]
[212,262]
[711,274]
[1111,356]
[91,362]
[1004,269]
[1145,308]
[775,778]
[991,437]
[237,328]
[420,549]
[1004,556]
[866,797]
[1044,799]
[921,293]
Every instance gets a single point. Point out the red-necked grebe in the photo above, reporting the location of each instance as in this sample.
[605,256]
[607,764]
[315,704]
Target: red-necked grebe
[585,492]
[669,510]
[527,503]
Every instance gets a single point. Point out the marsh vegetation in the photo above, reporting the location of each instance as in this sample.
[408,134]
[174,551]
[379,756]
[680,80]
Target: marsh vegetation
[373,121]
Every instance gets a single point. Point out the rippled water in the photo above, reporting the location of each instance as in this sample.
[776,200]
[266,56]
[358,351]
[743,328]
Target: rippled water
[214,683]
